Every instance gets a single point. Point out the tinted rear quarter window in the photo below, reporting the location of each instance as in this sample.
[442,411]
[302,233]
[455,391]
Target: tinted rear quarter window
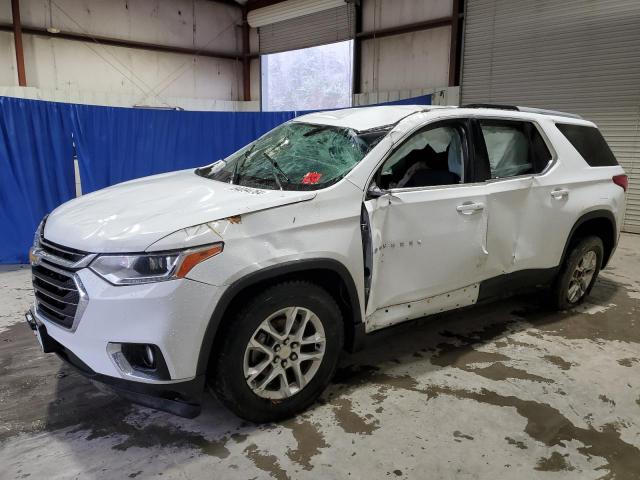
[589,143]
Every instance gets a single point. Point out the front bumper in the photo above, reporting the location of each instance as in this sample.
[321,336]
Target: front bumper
[181,398]
[173,315]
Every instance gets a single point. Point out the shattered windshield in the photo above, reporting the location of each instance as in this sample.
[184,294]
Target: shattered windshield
[296,156]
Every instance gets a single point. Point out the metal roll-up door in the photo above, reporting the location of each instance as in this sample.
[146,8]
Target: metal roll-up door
[580,56]
[319,28]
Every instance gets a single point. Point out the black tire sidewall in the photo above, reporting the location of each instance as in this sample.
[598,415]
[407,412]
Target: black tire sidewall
[592,243]
[230,384]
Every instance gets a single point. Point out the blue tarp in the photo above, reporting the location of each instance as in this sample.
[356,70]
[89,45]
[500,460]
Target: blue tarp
[36,170]
[118,144]
[112,145]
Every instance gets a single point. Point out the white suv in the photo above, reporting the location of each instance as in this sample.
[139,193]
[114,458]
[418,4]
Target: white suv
[253,273]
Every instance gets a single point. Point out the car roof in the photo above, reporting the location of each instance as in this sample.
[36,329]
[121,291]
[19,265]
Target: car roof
[368,118]
[362,118]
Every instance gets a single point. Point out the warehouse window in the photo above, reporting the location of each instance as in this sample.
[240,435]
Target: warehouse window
[313,78]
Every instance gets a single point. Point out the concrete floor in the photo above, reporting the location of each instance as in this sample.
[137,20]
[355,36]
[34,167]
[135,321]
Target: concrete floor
[507,390]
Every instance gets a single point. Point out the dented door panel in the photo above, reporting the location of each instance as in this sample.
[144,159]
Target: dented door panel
[425,245]
[507,203]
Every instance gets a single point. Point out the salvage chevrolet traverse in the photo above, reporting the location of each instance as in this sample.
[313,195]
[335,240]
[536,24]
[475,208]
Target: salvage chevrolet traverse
[252,274]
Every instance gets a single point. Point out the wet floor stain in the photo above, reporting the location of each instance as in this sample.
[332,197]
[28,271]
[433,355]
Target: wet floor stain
[545,423]
[523,364]
[606,399]
[559,362]
[575,326]
[555,463]
[517,443]
[629,362]
[461,356]
[458,436]
[239,437]
[548,425]
[309,438]
[266,462]
[349,420]
[499,372]
[153,437]
[58,396]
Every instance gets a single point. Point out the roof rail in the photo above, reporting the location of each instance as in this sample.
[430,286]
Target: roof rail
[491,105]
[541,111]
[544,111]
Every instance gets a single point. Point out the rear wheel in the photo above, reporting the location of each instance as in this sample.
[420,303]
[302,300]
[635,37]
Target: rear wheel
[279,352]
[578,273]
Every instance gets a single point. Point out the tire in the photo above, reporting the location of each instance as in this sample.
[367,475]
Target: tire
[564,294]
[233,366]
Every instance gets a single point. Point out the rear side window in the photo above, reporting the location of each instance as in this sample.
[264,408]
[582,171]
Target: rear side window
[589,143]
[514,148]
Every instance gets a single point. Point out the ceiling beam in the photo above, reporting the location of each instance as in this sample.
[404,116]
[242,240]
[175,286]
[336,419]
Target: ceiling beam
[411,27]
[117,42]
[231,3]
[255,4]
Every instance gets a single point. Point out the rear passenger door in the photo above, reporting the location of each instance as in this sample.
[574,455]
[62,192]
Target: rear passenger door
[516,153]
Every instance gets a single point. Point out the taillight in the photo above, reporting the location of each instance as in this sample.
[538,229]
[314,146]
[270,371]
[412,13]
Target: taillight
[621,180]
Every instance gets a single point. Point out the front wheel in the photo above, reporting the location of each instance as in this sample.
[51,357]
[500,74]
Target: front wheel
[279,352]
[578,273]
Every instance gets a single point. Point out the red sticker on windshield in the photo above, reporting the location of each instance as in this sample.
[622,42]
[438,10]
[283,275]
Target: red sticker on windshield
[311,178]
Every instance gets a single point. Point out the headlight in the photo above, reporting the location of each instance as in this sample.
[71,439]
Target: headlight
[151,267]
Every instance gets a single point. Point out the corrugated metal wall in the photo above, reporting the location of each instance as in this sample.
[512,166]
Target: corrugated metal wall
[580,56]
[319,28]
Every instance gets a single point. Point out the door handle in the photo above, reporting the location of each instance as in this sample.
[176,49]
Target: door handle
[560,193]
[470,208]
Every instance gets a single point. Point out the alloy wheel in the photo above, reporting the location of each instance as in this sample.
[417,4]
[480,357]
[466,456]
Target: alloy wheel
[284,353]
[581,276]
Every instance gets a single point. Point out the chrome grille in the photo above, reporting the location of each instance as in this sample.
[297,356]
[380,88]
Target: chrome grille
[56,250]
[57,294]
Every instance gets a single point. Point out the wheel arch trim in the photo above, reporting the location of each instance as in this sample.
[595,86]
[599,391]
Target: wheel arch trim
[268,273]
[592,215]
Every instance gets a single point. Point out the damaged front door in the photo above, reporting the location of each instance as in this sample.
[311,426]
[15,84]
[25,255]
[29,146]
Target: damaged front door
[428,229]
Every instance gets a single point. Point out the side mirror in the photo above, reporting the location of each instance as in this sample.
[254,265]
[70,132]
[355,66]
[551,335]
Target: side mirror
[376,192]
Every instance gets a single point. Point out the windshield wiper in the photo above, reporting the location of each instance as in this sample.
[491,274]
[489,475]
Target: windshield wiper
[236,166]
[276,169]
[316,130]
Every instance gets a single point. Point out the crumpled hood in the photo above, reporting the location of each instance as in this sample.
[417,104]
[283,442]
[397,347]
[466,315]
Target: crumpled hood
[131,216]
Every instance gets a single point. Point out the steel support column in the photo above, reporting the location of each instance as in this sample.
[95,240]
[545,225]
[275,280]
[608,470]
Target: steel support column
[357,51]
[246,60]
[17,38]
[453,48]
